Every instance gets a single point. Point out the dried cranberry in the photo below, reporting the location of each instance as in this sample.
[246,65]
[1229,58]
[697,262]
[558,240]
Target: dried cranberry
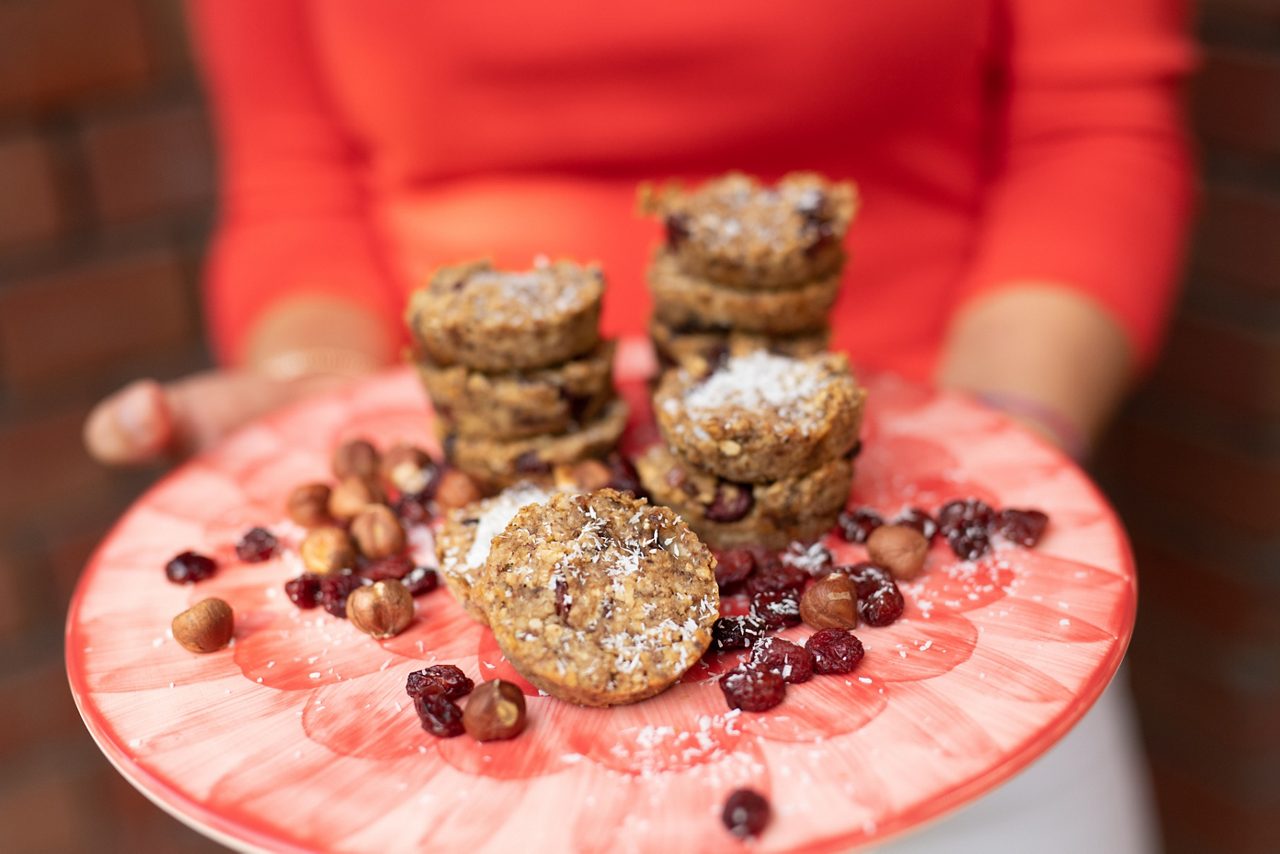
[777,608]
[444,680]
[966,513]
[776,575]
[624,476]
[790,661]
[257,545]
[564,601]
[334,590]
[753,689]
[189,567]
[530,463]
[880,601]
[393,566]
[413,508]
[1023,527]
[856,525]
[969,543]
[737,632]
[867,576]
[732,501]
[914,517]
[746,813]
[421,580]
[578,404]
[303,591]
[677,226]
[440,717]
[834,651]
[733,566]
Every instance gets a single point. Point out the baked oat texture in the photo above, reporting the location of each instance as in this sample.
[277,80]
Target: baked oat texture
[498,320]
[761,417]
[741,233]
[699,349]
[600,599]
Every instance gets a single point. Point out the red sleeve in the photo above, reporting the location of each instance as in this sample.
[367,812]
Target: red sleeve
[1092,180]
[293,211]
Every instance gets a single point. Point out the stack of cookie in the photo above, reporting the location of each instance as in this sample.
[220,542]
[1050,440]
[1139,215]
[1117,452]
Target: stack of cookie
[758,452]
[746,266]
[516,369]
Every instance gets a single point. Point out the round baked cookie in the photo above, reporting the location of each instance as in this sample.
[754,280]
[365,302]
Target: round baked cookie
[462,544]
[498,320]
[497,463]
[726,514]
[698,349]
[600,599]
[738,232]
[517,404]
[761,417]
[680,299]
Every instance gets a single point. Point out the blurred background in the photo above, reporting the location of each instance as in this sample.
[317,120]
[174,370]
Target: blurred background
[106,194]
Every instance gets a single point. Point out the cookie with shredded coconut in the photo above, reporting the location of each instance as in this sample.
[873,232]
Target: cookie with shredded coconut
[739,232]
[462,545]
[681,299]
[761,417]
[699,348]
[727,515]
[498,463]
[519,404]
[600,599]
[500,320]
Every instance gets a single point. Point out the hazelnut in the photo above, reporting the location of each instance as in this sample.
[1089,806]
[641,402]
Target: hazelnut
[408,468]
[456,490]
[900,549]
[830,603]
[308,505]
[206,626]
[327,550]
[353,495]
[381,610]
[356,457]
[584,476]
[495,710]
[377,532]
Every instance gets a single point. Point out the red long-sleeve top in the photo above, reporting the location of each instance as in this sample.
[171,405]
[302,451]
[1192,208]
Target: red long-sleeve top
[994,142]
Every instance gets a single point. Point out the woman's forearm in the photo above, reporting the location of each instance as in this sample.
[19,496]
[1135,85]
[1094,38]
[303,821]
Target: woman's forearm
[1044,344]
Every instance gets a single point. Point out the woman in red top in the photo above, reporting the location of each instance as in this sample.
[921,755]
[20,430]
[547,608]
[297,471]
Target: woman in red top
[1022,165]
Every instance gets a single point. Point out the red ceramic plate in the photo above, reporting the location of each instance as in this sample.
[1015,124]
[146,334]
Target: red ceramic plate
[300,737]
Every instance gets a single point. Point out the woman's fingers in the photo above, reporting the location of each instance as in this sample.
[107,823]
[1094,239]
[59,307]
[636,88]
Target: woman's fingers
[146,421]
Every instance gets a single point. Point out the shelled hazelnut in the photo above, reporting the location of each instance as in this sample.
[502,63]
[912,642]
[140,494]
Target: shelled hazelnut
[356,457]
[352,495]
[206,626]
[408,468]
[308,505]
[327,550]
[830,603]
[456,490]
[377,532]
[383,609]
[900,549]
[494,711]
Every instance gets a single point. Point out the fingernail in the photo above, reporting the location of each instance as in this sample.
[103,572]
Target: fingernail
[135,412]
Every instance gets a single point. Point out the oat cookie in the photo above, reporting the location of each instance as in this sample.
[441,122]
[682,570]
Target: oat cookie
[600,599]
[698,348]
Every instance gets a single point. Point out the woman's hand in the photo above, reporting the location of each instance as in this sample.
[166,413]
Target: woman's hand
[299,348]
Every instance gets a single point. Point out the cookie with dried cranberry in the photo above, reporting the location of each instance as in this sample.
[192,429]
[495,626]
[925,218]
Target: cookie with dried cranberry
[600,599]
[761,417]
[700,348]
[462,545]
[497,463]
[739,232]
[727,515]
[501,320]
[681,299]
[518,404]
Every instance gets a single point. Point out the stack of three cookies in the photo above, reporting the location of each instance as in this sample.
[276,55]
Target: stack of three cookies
[746,266]
[516,369]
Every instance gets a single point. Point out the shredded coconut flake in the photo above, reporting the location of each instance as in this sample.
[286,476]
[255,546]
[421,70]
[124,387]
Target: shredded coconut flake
[760,380]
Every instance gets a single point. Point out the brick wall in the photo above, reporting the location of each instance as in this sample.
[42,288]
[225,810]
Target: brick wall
[105,196]
[1194,467]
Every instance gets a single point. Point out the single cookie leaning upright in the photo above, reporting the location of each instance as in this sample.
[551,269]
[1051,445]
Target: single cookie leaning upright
[600,599]
[494,320]
[761,417]
[740,233]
